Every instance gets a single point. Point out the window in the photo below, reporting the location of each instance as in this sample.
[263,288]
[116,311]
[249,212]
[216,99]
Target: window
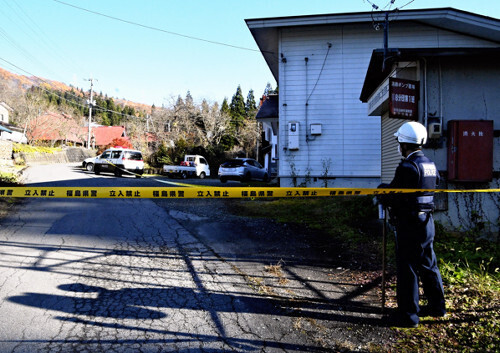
[134,156]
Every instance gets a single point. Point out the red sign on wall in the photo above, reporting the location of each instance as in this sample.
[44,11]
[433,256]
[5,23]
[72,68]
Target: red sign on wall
[403,98]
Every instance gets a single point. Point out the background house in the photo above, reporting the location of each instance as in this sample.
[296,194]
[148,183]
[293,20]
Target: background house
[4,112]
[325,135]
[336,117]
[268,116]
[59,129]
[102,136]
[8,131]
[55,129]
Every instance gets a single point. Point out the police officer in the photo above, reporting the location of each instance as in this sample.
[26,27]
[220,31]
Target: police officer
[411,214]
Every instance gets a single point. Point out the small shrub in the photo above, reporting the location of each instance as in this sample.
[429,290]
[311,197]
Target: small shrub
[24,148]
[8,178]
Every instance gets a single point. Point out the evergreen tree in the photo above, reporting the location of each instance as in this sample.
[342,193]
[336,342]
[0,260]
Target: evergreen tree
[189,99]
[250,106]
[269,90]
[224,109]
[237,109]
[179,103]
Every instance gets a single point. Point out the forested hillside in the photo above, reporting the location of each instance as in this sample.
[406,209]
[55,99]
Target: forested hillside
[163,133]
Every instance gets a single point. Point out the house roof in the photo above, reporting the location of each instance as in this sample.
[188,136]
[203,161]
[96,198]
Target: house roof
[104,135]
[6,106]
[269,108]
[266,30]
[375,75]
[54,127]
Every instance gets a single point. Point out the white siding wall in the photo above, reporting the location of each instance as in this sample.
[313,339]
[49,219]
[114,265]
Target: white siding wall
[4,114]
[390,156]
[350,141]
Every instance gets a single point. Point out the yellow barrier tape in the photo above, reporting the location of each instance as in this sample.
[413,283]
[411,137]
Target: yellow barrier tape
[205,192]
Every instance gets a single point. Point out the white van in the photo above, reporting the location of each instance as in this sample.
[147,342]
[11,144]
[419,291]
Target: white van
[120,161]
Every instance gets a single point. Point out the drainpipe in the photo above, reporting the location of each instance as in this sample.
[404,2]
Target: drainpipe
[424,86]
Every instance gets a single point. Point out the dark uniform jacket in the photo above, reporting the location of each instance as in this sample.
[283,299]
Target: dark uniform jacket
[414,172]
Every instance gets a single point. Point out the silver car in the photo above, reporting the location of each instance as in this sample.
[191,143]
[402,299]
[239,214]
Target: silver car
[242,169]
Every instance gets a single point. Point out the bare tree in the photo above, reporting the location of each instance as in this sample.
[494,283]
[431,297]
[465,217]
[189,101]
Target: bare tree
[216,123]
[248,136]
[27,108]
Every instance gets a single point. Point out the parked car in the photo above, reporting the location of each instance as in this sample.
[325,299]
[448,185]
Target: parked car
[88,163]
[242,169]
[120,161]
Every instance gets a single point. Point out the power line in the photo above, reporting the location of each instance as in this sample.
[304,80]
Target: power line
[389,5]
[155,28]
[37,31]
[408,3]
[320,72]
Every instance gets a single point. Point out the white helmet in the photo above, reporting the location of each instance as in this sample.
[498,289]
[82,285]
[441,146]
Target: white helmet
[412,132]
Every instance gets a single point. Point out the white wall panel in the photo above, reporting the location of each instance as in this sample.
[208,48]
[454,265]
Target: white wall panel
[350,139]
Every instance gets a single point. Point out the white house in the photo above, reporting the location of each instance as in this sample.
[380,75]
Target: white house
[4,112]
[328,135]
[320,62]
[7,131]
[268,116]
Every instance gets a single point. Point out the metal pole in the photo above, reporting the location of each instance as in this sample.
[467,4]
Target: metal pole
[384,248]
[90,102]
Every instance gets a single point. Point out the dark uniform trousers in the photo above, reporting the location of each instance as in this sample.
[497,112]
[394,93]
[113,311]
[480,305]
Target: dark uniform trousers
[416,259]
[415,236]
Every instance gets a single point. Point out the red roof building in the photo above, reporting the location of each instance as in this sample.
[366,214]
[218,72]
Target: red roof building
[56,128]
[104,135]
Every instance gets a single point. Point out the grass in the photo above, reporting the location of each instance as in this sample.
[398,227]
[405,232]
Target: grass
[7,178]
[338,219]
[21,147]
[470,269]
[6,203]
[469,266]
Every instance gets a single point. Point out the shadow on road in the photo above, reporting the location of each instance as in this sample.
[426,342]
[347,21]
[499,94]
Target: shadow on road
[106,307]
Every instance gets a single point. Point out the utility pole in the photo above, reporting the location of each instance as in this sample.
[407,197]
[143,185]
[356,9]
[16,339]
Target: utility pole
[90,102]
[386,39]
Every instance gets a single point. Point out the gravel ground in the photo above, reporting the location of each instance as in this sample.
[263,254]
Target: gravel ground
[339,294]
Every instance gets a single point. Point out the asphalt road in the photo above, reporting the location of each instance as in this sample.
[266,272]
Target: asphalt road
[140,275]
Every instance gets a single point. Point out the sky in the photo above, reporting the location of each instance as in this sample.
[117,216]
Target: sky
[152,51]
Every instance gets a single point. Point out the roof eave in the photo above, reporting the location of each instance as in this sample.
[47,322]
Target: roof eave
[266,30]
[375,76]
